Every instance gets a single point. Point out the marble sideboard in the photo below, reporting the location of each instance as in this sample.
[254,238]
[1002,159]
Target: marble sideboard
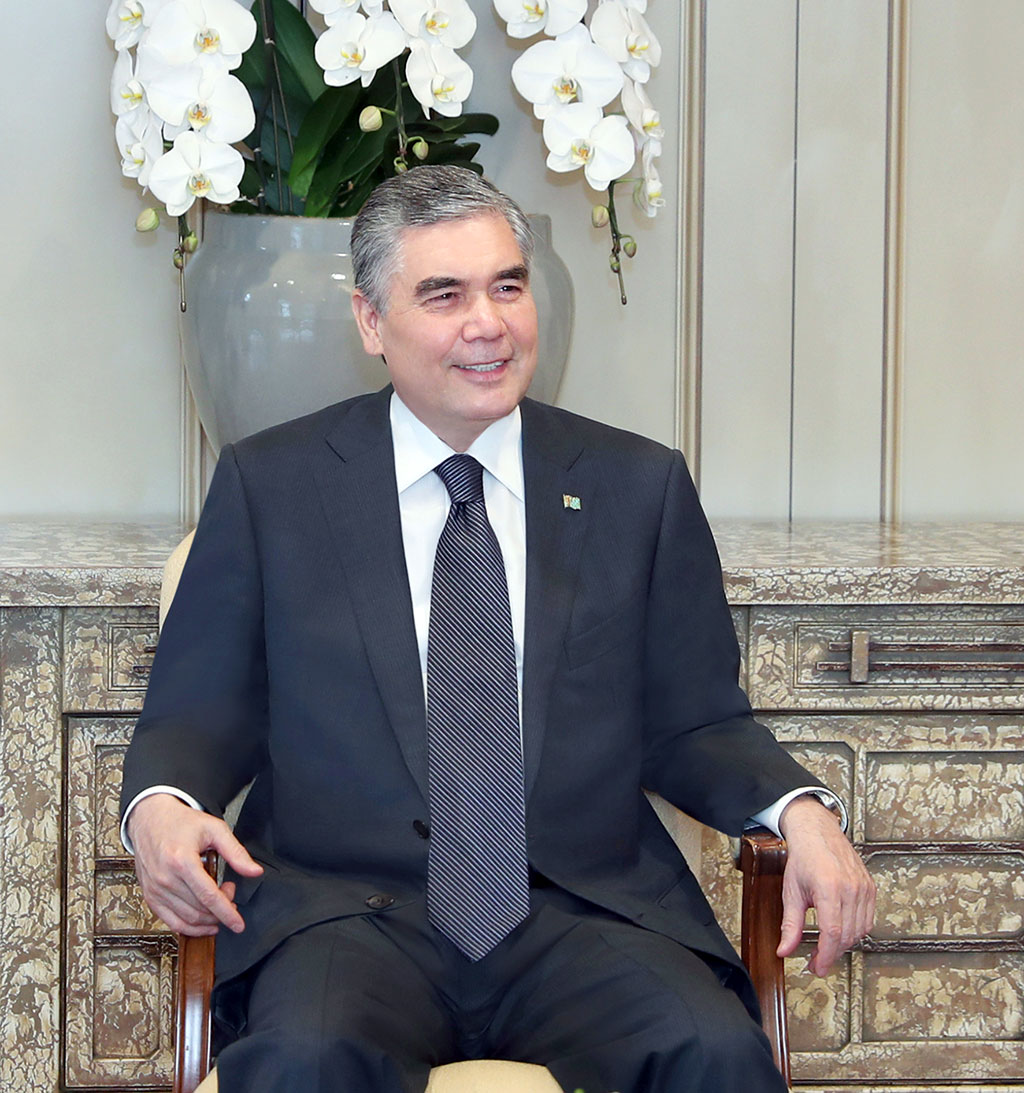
[890,660]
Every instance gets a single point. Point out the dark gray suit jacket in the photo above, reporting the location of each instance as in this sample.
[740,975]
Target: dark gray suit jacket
[289,656]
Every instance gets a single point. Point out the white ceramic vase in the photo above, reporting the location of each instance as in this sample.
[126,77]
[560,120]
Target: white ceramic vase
[268,333]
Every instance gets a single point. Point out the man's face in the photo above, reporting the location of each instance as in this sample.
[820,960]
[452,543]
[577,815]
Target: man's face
[460,333]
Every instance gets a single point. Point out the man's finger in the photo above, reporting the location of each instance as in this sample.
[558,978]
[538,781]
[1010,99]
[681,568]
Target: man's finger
[792,930]
[184,917]
[231,850]
[209,897]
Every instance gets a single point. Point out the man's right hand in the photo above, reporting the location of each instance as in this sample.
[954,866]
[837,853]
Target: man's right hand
[169,836]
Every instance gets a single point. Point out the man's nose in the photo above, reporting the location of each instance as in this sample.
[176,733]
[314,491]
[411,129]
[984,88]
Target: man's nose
[483,320]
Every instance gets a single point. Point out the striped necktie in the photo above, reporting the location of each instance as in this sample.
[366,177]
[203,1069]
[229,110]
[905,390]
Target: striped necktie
[477,877]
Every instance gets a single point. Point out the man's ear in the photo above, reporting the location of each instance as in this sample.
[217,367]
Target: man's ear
[368,320]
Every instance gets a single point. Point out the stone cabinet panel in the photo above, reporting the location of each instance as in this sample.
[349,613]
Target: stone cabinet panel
[945,796]
[107,656]
[928,895]
[741,621]
[944,996]
[913,658]
[119,960]
[30,868]
[819,1007]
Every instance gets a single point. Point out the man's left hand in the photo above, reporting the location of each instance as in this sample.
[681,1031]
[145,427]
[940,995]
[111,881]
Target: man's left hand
[825,872]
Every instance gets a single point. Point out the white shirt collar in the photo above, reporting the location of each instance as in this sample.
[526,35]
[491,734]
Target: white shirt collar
[418,451]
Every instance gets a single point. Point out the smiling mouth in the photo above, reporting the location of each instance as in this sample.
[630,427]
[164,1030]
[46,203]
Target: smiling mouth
[489,367]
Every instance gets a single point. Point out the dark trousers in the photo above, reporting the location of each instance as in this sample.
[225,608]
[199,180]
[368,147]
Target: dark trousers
[370,1004]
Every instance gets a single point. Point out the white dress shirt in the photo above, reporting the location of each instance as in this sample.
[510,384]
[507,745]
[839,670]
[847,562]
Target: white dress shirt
[423,504]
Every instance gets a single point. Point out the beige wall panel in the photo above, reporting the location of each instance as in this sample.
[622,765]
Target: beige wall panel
[839,258]
[748,240]
[963,441]
[89,387]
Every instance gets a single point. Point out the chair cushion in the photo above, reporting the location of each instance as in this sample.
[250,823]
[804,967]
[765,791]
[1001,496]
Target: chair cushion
[477,1076]
[492,1076]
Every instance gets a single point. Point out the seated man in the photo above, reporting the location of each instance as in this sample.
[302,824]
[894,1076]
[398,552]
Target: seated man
[450,635]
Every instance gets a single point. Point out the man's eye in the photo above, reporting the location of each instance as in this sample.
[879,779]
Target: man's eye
[509,290]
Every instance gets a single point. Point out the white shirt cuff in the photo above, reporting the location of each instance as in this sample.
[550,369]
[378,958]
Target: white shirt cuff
[179,793]
[769,817]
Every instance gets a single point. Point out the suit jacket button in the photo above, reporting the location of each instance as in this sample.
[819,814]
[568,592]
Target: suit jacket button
[378,901]
[421,829]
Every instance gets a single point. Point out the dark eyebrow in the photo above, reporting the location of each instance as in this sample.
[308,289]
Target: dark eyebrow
[440,282]
[433,284]
[514,273]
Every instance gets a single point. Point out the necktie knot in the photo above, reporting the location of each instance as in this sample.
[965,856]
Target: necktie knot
[463,477]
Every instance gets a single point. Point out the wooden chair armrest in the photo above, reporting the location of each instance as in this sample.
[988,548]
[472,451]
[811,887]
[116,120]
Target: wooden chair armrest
[762,859]
[192,1003]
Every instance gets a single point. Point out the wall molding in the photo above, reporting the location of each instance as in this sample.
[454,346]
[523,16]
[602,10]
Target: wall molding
[895,265]
[690,235]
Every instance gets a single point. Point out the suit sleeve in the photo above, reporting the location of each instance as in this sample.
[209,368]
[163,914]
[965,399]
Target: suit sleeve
[703,750]
[204,720]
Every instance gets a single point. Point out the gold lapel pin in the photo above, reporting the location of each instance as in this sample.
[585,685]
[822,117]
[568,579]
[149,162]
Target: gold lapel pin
[570,502]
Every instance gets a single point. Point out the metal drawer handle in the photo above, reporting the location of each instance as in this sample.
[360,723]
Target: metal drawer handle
[866,656]
[141,671]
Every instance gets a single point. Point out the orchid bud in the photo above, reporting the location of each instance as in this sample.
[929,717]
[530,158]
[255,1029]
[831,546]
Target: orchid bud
[599,216]
[179,258]
[615,264]
[420,148]
[190,243]
[629,246]
[370,119]
[400,166]
[148,220]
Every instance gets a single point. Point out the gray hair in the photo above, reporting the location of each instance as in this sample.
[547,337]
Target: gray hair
[419,198]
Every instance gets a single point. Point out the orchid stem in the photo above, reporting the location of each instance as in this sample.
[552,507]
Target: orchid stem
[180,258]
[616,256]
[403,140]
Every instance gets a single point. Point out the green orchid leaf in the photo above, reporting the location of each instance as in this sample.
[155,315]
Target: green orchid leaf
[369,146]
[248,186]
[323,121]
[467,123]
[296,42]
[346,156]
[252,70]
[454,153]
[356,198]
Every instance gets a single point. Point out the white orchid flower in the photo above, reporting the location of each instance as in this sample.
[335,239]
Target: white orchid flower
[220,109]
[569,68]
[124,23]
[169,87]
[438,77]
[356,46]
[624,34]
[127,20]
[191,96]
[648,194]
[331,9]
[524,18]
[640,111]
[450,22]
[578,136]
[140,142]
[211,33]
[126,92]
[196,167]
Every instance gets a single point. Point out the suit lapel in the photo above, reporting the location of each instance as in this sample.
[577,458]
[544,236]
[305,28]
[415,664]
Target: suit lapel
[552,471]
[356,478]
